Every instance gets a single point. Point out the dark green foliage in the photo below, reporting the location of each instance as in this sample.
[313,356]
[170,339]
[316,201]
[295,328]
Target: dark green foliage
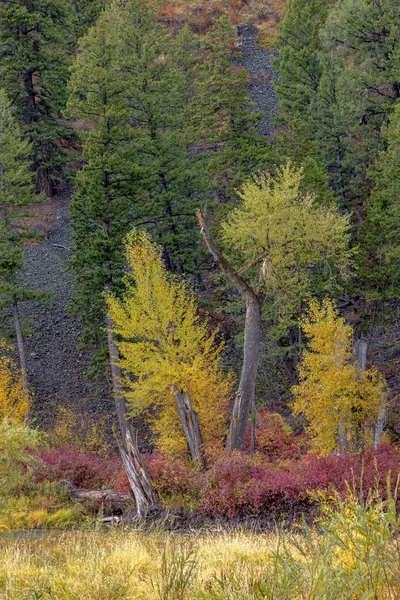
[361,83]
[380,232]
[220,118]
[102,207]
[16,192]
[33,71]
[130,84]
[298,63]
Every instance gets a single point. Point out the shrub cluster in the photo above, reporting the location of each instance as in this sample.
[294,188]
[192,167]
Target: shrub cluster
[281,475]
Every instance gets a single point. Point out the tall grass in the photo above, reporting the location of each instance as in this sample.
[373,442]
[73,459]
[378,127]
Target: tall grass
[353,554]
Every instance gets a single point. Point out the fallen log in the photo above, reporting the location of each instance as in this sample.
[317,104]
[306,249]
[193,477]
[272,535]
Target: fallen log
[109,496]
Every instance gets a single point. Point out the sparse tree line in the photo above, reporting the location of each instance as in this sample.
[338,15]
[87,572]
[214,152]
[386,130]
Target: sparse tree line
[176,183]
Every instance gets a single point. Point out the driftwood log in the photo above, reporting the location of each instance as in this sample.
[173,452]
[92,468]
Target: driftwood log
[110,496]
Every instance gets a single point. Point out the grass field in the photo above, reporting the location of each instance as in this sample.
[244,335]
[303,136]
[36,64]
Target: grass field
[354,554]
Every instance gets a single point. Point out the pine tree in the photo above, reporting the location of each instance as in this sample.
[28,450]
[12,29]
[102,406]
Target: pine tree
[298,62]
[103,205]
[16,192]
[157,88]
[33,72]
[380,233]
[220,117]
[362,41]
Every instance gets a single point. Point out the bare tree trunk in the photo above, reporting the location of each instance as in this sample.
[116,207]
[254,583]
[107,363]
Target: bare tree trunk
[380,425]
[245,396]
[190,424]
[360,351]
[253,428]
[342,439]
[21,351]
[144,493]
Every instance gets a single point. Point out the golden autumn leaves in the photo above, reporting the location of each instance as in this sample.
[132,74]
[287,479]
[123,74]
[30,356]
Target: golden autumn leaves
[13,404]
[164,345]
[333,393]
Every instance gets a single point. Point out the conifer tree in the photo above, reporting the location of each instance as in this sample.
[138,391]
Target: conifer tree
[33,72]
[220,117]
[361,46]
[298,62]
[380,232]
[16,192]
[103,205]
[341,402]
[158,83]
[171,361]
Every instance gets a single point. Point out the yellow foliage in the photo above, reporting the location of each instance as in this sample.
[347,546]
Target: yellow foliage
[288,234]
[13,404]
[333,392]
[164,344]
[77,429]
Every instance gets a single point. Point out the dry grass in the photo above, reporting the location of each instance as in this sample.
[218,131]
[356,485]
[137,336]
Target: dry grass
[347,558]
[200,15]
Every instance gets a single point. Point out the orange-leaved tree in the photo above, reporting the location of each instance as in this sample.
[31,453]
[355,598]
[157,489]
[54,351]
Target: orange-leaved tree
[178,382]
[341,402]
[14,403]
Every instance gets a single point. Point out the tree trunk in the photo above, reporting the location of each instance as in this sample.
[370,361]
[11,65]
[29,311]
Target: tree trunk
[144,493]
[360,351]
[342,439]
[190,424]
[21,351]
[253,427]
[380,425]
[245,396]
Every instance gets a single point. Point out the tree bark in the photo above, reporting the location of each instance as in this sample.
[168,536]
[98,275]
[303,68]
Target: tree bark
[245,396]
[143,492]
[360,351]
[190,424]
[21,351]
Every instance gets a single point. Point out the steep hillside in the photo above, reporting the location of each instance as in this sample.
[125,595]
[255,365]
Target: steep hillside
[57,371]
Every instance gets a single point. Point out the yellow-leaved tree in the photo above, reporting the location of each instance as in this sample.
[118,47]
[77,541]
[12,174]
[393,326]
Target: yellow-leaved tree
[341,402]
[14,403]
[285,246]
[171,361]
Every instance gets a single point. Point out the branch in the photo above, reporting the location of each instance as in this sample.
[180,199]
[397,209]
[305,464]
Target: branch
[253,263]
[240,284]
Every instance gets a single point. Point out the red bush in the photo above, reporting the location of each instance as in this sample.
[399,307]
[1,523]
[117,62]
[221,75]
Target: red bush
[83,469]
[275,438]
[240,484]
[171,477]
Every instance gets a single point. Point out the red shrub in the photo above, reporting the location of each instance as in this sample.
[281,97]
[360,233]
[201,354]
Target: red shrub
[171,477]
[275,438]
[241,484]
[83,469]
